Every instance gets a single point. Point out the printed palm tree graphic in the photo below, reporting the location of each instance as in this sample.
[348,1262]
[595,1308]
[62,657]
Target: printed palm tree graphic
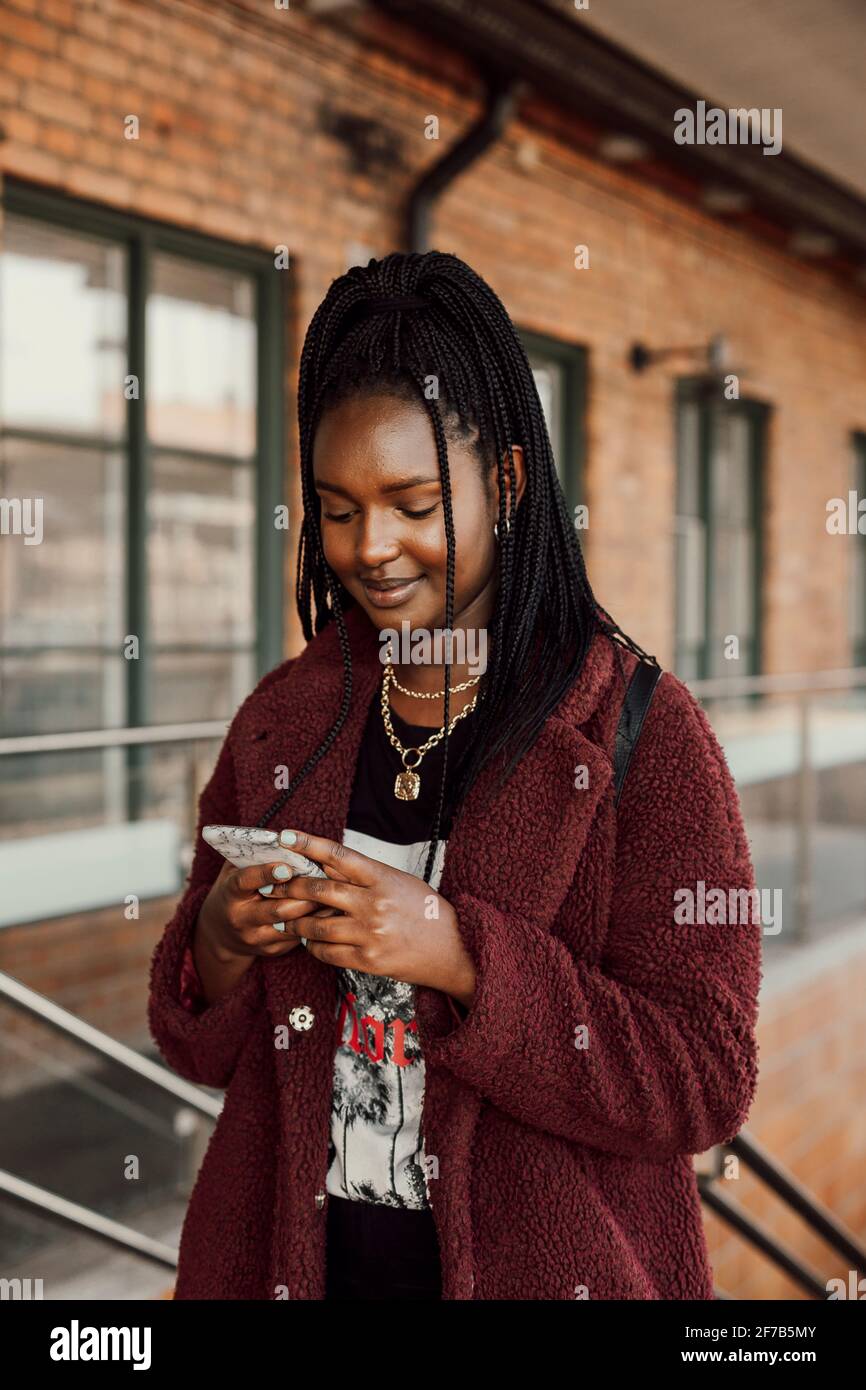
[395,999]
[364,1095]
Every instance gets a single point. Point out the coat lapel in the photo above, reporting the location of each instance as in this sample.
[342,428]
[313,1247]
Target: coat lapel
[293,719]
[516,848]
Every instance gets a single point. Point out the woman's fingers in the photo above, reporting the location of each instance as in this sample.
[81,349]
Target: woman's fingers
[335,931]
[261,912]
[326,892]
[255,876]
[349,864]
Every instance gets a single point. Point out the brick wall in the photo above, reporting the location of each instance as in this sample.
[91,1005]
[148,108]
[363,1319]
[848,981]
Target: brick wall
[238,107]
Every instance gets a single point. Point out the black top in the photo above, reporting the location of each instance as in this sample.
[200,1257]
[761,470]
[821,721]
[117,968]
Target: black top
[374,809]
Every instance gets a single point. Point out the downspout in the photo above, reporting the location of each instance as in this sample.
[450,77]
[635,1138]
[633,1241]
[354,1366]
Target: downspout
[502,95]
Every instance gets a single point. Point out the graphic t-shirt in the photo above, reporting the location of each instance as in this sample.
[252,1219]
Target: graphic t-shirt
[376,1153]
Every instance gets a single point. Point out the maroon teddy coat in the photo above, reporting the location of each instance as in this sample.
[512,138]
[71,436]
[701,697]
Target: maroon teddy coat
[606,1043]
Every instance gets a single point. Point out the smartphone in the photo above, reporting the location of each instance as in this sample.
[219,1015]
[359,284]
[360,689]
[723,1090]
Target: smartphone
[243,844]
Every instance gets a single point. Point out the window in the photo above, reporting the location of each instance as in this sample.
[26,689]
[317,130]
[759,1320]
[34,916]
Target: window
[559,370]
[140,400]
[857,607]
[720,449]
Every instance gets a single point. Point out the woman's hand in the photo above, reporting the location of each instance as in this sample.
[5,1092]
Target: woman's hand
[392,923]
[236,919]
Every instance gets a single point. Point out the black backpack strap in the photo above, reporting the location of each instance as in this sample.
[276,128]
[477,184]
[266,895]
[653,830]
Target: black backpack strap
[638,698]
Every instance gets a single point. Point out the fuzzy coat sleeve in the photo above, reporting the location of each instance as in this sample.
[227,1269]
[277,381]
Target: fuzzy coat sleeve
[668,1016]
[203,1043]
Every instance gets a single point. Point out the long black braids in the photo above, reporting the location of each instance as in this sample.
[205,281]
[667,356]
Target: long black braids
[401,326]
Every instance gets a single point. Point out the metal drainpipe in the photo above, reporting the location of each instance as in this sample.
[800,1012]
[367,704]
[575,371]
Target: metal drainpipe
[502,95]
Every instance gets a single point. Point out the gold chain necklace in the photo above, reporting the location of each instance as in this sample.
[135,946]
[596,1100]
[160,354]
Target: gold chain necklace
[408,782]
[427,694]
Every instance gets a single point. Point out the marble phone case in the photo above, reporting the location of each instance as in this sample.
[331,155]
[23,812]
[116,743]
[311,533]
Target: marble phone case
[242,845]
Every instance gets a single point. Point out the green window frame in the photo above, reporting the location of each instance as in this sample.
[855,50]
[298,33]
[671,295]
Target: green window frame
[565,367]
[706,537]
[142,241]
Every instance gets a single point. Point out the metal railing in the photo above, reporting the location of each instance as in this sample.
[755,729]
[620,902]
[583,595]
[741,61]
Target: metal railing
[190,735]
[114,1233]
[785,1186]
[804,687]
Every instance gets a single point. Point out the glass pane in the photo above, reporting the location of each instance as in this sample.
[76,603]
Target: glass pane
[200,685]
[688,460]
[690,576]
[63,334]
[201,552]
[56,692]
[732,596]
[41,793]
[201,357]
[548,380]
[762,743]
[169,782]
[731,471]
[739,544]
[66,589]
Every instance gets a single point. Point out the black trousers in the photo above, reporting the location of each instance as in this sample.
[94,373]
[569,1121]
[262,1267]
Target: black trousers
[374,1251]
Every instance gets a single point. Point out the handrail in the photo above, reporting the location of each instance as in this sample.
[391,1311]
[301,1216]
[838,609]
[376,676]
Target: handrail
[84,1219]
[819,1218]
[803,682]
[194,732]
[115,1233]
[783,1183]
[790,683]
[793,1193]
[758,1235]
[28,1000]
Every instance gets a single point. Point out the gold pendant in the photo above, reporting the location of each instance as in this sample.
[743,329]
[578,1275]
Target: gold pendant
[407,785]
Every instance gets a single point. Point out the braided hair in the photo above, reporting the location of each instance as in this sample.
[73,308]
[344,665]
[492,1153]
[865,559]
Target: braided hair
[426,328]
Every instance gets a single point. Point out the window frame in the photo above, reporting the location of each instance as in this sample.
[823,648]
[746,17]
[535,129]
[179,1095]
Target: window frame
[696,390]
[142,238]
[573,358]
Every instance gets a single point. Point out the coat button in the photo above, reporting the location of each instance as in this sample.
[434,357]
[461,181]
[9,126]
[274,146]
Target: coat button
[302,1018]
[320,1200]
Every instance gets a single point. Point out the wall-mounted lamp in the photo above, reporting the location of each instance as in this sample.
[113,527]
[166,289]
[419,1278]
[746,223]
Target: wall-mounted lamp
[714,355]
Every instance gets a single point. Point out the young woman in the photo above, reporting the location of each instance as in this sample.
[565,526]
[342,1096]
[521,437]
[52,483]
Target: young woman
[486,1070]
